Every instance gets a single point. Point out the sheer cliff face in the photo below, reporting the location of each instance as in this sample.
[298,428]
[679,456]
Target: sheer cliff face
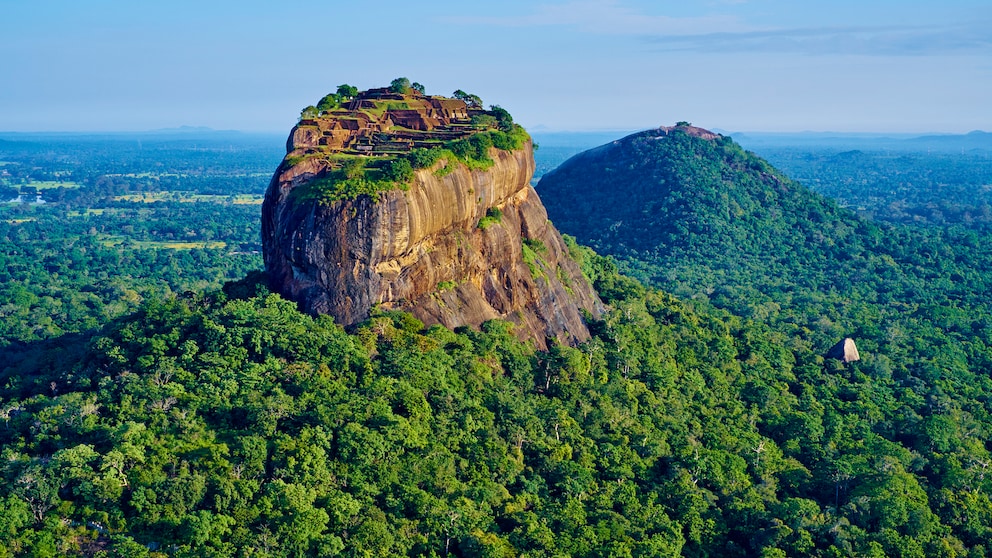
[423,251]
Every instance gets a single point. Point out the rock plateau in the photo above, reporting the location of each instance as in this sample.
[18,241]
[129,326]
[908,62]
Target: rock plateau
[423,249]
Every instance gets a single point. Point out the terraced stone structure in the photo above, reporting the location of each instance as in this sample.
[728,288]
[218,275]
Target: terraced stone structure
[379,121]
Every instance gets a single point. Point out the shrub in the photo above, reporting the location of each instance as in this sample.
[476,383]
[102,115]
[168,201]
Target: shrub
[536,245]
[531,257]
[493,216]
[481,143]
[353,168]
[397,170]
[461,148]
[421,158]
[504,141]
[446,286]
[308,112]
[484,121]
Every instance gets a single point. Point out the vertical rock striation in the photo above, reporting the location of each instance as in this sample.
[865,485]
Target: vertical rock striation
[423,250]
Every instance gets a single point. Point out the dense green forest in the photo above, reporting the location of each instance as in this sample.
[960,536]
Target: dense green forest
[707,221]
[218,425]
[157,413]
[63,270]
[935,187]
[125,217]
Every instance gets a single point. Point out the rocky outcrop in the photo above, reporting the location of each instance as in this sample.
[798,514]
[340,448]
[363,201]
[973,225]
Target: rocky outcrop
[845,351]
[423,250]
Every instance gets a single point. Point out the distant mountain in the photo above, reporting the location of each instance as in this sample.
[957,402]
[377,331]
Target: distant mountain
[972,140]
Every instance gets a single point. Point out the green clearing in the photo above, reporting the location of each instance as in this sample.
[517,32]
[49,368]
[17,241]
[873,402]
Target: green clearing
[245,199]
[50,184]
[93,211]
[117,241]
[149,175]
[382,106]
[151,197]
[145,197]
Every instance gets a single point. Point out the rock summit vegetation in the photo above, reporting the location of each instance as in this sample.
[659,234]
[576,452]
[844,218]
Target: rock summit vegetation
[372,141]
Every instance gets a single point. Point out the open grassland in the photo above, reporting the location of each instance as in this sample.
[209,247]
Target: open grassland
[120,241]
[50,184]
[93,211]
[151,197]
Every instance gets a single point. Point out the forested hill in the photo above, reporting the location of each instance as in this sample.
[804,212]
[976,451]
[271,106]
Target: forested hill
[694,214]
[681,195]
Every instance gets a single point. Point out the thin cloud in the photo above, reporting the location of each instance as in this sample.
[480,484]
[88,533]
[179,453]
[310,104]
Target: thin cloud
[608,17]
[875,41]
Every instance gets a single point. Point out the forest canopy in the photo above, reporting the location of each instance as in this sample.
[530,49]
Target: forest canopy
[159,413]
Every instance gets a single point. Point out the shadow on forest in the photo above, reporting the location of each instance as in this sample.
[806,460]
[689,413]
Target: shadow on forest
[63,364]
[45,367]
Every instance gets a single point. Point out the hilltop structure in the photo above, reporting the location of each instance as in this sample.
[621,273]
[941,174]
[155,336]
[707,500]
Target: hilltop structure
[381,121]
[422,204]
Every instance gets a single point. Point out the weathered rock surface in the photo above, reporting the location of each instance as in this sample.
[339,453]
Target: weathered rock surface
[422,251]
[845,351]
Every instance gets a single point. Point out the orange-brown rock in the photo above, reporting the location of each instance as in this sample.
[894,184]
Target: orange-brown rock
[422,250]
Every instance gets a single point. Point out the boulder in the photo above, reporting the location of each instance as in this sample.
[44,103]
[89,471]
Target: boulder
[844,351]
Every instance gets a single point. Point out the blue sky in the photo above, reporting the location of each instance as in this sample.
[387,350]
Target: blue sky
[737,65]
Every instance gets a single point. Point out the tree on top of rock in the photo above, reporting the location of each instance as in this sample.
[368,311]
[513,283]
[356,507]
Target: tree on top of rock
[346,91]
[308,113]
[503,118]
[400,85]
[473,101]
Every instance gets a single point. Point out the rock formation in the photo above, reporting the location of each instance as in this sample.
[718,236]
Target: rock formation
[424,250]
[844,351]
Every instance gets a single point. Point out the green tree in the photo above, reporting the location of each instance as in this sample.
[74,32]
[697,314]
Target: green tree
[398,170]
[400,85]
[309,112]
[346,91]
[484,121]
[503,118]
[473,101]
